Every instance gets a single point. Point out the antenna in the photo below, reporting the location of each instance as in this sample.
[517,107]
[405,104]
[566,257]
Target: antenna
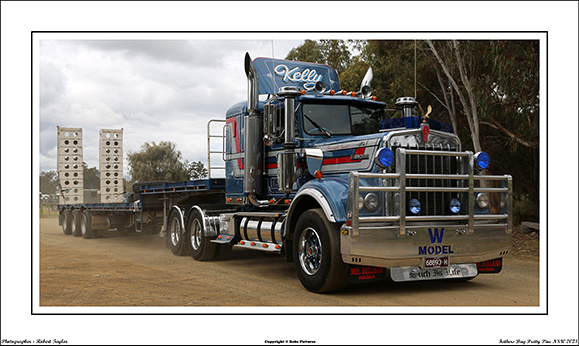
[414,68]
[273,67]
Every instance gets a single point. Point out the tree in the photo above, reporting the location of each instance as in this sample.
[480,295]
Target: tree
[91,177]
[454,65]
[335,53]
[48,182]
[157,162]
[197,170]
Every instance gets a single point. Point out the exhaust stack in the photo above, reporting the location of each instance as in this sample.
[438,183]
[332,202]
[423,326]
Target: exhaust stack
[253,151]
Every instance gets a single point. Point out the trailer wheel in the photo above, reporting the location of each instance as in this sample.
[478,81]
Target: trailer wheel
[317,258]
[200,248]
[75,223]
[66,219]
[176,240]
[85,228]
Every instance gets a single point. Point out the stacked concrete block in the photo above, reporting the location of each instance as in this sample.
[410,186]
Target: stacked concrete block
[70,167]
[111,165]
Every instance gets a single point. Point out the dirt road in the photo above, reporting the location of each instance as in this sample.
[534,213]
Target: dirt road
[137,270]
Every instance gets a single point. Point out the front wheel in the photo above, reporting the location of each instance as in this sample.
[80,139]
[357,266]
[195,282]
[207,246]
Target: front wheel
[316,250]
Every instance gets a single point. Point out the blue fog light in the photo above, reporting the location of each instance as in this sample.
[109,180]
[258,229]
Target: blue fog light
[454,206]
[384,157]
[482,159]
[414,206]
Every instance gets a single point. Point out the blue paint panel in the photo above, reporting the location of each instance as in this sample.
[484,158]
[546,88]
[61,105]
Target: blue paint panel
[339,153]
[335,190]
[276,73]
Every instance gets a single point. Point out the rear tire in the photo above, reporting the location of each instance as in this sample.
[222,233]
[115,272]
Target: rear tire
[66,221]
[317,258]
[200,247]
[75,223]
[85,225]
[176,235]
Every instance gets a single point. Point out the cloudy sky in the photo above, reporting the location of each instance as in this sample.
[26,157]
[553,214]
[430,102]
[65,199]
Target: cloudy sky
[155,89]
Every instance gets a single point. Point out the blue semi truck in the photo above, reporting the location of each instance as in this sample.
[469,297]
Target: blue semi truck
[323,177]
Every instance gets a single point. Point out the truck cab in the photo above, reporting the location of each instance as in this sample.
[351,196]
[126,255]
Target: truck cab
[341,189]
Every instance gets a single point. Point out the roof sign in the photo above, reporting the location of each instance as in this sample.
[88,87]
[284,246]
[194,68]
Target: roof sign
[276,73]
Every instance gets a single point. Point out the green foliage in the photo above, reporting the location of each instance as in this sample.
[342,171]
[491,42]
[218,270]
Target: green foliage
[48,182]
[157,162]
[335,53]
[91,177]
[197,170]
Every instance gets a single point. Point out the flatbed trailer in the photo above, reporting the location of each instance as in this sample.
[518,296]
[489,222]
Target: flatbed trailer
[146,211]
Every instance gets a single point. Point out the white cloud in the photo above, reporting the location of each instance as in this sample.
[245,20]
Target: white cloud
[156,90]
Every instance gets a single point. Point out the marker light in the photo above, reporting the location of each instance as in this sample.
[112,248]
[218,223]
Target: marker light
[482,160]
[482,200]
[384,157]
[414,206]
[454,206]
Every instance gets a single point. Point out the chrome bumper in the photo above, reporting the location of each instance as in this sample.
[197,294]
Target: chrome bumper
[394,239]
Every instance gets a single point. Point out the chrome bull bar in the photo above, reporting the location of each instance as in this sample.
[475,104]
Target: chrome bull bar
[468,177]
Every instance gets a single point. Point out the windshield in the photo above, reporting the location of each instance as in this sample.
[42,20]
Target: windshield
[336,119]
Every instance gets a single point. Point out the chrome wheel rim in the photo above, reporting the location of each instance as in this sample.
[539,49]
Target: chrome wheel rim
[196,234]
[310,251]
[175,232]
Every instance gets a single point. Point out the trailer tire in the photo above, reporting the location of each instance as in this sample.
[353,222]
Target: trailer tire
[200,247]
[317,258]
[65,220]
[85,225]
[176,235]
[75,223]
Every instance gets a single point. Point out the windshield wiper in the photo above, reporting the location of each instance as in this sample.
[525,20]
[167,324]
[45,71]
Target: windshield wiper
[318,127]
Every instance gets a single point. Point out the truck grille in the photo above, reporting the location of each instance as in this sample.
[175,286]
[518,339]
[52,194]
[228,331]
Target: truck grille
[434,203]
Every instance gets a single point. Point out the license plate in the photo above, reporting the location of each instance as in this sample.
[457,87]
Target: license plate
[417,274]
[436,262]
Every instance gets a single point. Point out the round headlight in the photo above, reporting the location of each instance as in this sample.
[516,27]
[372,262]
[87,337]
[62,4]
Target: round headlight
[482,159]
[371,202]
[414,206]
[384,157]
[454,206]
[360,202]
[482,200]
